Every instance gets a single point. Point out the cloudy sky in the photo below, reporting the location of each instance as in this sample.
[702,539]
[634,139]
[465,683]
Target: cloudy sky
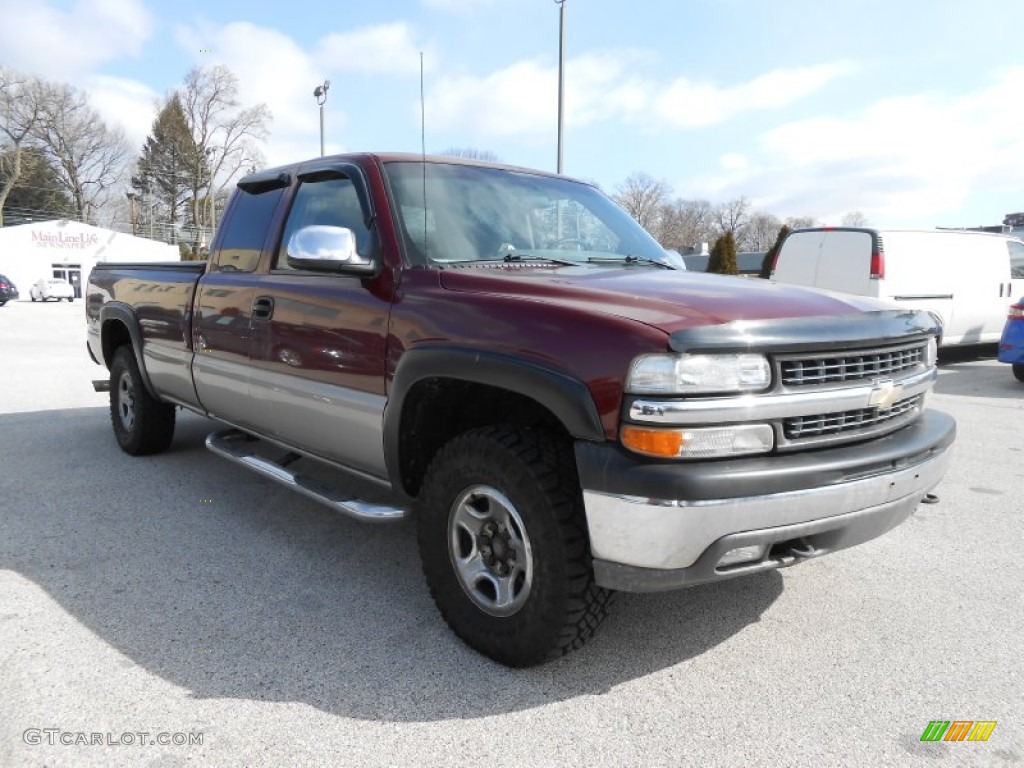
[912,113]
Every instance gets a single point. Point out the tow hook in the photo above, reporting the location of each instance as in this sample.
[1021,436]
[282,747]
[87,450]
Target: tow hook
[930,498]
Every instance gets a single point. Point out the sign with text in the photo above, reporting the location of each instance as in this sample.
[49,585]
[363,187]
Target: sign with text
[72,240]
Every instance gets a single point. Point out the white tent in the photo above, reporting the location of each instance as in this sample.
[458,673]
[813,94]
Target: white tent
[69,249]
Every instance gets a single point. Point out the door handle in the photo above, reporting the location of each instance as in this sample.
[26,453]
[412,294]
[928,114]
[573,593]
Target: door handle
[263,308]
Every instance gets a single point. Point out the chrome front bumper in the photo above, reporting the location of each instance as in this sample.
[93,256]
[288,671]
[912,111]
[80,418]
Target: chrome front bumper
[648,544]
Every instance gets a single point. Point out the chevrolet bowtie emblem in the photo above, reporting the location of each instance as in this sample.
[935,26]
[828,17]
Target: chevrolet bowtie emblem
[884,394]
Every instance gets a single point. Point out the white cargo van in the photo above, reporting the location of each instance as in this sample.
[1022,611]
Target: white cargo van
[968,279]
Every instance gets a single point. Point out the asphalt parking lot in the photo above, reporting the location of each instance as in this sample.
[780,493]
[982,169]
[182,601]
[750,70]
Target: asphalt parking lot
[178,595]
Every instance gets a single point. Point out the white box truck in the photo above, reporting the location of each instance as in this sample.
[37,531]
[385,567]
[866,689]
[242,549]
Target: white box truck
[967,279]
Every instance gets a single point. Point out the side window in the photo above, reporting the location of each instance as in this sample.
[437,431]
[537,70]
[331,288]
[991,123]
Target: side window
[1016,259]
[333,202]
[245,231]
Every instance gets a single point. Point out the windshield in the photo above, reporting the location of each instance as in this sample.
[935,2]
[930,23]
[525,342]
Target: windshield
[474,214]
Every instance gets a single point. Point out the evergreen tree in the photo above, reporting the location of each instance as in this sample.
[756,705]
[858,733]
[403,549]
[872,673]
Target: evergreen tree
[172,172]
[723,256]
[769,258]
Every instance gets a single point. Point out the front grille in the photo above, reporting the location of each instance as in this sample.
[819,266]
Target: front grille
[850,366]
[840,422]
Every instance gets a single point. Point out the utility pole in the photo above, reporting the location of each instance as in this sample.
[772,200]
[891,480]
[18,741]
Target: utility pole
[561,78]
[320,93]
[132,200]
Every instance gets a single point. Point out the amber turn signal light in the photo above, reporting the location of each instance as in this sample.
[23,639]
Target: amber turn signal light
[653,442]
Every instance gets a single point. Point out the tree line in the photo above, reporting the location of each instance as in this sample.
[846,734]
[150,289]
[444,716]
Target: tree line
[683,224]
[59,159]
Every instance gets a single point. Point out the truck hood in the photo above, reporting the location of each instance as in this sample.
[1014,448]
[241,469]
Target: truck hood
[663,299]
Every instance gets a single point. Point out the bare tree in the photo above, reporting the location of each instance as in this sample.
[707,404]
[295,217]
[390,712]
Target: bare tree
[224,131]
[642,197]
[88,155]
[760,232]
[732,217]
[19,114]
[684,224]
[854,219]
[801,222]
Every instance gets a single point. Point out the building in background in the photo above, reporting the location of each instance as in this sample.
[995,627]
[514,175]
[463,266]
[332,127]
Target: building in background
[70,249]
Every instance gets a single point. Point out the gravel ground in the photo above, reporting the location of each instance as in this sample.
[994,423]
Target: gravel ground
[178,596]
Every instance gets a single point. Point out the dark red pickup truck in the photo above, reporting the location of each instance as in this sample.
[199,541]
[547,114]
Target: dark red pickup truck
[510,356]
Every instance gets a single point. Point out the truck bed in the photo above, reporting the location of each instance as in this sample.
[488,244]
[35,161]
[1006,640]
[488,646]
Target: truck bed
[160,294]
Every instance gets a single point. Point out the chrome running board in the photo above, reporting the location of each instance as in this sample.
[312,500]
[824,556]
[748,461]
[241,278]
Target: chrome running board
[231,444]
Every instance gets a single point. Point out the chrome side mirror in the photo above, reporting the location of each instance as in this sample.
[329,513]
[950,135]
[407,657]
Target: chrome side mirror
[326,248]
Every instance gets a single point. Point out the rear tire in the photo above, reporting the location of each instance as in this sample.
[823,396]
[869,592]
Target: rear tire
[1018,371]
[504,545]
[142,424]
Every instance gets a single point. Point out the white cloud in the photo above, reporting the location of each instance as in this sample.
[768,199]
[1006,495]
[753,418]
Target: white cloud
[272,68]
[58,44]
[124,102]
[688,104]
[733,161]
[521,99]
[903,160]
[384,48]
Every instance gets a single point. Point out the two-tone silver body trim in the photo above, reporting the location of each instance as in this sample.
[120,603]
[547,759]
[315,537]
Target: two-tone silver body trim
[781,405]
[342,424]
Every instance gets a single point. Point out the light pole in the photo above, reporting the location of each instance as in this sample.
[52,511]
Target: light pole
[320,92]
[561,77]
[133,198]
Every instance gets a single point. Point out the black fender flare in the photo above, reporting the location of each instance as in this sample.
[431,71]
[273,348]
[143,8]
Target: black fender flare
[566,397]
[124,314]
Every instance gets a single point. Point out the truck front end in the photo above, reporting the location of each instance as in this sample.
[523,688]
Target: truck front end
[754,445]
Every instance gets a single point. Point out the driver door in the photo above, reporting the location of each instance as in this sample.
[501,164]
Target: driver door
[319,338]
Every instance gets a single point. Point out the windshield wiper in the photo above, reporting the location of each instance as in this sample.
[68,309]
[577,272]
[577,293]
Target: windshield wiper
[509,258]
[629,259]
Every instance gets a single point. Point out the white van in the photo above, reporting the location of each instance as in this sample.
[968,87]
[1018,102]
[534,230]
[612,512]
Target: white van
[968,279]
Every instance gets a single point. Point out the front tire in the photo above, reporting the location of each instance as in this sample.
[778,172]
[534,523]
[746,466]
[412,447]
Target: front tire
[142,424]
[1018,371]
[504,545]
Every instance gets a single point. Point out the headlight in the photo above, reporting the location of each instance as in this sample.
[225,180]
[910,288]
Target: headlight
[697,374]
